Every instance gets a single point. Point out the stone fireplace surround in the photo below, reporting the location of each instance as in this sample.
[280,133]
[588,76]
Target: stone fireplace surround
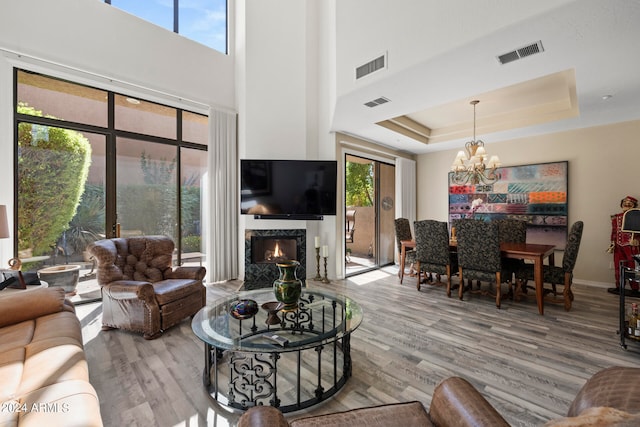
[262,274]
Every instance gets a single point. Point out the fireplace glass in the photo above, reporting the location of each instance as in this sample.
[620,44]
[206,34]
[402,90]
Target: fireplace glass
[273,249]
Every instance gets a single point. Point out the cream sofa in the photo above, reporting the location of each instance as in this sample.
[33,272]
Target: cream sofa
[44,377]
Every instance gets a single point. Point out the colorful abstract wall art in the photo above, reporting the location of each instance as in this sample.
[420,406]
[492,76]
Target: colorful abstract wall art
[534,193]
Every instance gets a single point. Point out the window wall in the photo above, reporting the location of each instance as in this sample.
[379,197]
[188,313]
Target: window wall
[204,21]
[92,163]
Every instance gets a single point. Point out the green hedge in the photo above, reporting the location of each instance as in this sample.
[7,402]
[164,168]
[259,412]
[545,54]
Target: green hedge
[53,165]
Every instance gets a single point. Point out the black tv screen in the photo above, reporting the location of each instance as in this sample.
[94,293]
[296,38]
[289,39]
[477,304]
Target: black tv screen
[288,189]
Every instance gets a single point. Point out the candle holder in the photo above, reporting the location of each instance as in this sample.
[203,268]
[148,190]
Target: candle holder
[325,279]
[318,277]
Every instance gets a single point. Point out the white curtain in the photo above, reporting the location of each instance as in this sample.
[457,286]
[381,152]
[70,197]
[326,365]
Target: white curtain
[221,208]
[406,189]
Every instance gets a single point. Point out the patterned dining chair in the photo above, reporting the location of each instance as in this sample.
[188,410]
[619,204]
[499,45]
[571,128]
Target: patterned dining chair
[454,226]
[432,251]
[403,232]
[562,276]
[479,256]
[512,230]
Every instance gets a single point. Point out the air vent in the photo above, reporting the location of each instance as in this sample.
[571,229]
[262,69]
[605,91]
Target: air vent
[522,52]
[376,102]
[371,66]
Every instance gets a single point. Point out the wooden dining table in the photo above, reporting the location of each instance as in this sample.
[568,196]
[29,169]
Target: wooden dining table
[528,251]
[536,253]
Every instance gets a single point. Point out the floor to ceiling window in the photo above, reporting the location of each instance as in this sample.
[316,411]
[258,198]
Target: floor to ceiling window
[204,21]
[92,163]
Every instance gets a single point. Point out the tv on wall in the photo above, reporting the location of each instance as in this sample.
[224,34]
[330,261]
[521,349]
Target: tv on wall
[288,189]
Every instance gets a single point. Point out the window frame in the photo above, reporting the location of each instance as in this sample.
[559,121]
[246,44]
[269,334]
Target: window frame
[111,133]
[176,23]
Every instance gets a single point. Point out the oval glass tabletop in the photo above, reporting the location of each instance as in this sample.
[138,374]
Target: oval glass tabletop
[321,316]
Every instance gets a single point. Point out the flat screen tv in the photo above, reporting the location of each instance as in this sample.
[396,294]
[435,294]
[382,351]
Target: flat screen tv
[288,189]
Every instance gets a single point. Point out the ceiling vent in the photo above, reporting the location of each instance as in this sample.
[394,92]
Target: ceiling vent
[371,66]
[376,102]
[522,52]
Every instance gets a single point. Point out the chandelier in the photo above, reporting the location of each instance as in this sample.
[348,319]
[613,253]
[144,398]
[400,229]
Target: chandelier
[472,167]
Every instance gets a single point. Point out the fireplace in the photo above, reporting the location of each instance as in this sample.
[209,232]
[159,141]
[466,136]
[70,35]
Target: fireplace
[265,248]
[273,249]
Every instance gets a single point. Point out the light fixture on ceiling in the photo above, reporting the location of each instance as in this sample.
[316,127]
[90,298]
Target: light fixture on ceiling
[472,167]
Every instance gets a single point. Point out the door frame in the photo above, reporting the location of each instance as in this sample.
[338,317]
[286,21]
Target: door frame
[343,162]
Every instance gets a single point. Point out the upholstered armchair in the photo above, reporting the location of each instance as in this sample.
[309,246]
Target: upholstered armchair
[141,291]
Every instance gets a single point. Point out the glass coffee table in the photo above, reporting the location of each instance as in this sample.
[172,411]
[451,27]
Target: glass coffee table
[307,361]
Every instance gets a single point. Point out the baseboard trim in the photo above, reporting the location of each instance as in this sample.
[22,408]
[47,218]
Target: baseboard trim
[603,285]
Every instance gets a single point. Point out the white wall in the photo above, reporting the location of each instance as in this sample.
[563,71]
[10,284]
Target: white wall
[101,39]
[283,114]
[284,93]
[370,28]
[603,168]
[279,60]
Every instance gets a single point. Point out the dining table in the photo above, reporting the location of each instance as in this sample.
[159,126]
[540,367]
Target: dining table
[536,253]
[528,251]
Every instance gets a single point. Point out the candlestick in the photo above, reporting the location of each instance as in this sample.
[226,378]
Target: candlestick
[325,279]
[317,241]
[318,277]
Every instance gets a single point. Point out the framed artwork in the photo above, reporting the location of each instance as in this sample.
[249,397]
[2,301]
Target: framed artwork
[534,193]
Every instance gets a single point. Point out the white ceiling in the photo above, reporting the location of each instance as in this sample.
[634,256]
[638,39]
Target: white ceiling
[438,64]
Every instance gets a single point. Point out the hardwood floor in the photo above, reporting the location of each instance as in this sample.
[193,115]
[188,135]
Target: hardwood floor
[528,366]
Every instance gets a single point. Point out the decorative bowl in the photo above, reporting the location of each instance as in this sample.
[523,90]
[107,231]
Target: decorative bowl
[243,309]
[272,308]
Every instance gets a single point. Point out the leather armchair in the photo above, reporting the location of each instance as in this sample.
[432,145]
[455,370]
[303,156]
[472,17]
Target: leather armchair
[141,291]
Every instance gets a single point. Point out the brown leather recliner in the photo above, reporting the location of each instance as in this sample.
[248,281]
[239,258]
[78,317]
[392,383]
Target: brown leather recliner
[141,292]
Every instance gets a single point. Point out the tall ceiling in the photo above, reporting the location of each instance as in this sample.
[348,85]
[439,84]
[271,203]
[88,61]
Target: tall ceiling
[580,68]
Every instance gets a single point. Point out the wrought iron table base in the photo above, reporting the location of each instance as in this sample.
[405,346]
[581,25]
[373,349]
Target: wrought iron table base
[253,377]
[292,365]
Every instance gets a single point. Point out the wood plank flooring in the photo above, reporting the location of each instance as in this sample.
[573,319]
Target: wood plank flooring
[528,366]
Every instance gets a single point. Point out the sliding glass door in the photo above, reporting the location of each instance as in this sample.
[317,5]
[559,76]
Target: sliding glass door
[386,188]
[146,188]
[369,200]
